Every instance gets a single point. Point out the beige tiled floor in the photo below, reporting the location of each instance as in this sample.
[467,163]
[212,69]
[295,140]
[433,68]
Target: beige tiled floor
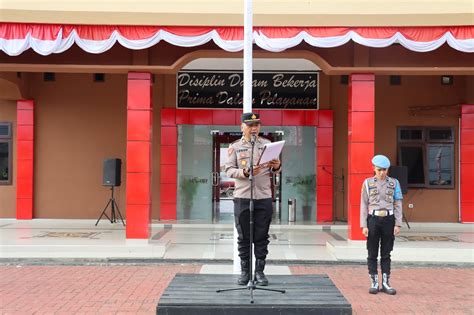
[173,240]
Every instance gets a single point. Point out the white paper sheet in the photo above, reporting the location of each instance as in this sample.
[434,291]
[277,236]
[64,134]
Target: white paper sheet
[271,151]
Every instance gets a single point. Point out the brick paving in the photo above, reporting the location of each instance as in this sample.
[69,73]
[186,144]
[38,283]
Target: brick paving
[136,289]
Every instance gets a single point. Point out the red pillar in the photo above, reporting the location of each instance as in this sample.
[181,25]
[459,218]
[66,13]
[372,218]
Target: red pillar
[361,144]
[467,163]
[324,165]
[168,161]
[25,158]
[138,164]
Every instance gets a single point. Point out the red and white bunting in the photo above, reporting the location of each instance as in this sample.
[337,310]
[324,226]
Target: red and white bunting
[45,39]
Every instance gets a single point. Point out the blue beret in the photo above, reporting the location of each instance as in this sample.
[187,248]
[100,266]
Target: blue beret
[381,161]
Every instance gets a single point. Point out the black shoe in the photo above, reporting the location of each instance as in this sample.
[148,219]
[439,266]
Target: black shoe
[260,278]
[374,284]
[386,285]
[244,273]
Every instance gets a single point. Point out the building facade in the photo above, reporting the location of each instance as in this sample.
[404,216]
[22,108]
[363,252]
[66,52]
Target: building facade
[88,84]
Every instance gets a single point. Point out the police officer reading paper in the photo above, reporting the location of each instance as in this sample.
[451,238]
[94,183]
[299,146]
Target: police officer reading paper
[237,167]
[380,220]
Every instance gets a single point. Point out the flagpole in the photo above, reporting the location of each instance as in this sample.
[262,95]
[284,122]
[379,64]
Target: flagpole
[248,41]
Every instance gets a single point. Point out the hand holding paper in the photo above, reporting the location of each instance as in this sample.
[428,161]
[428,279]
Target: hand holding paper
[271,152]
[274,164]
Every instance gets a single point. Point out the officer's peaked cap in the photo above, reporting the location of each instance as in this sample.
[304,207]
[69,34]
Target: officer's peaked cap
[250,118]
[381,161]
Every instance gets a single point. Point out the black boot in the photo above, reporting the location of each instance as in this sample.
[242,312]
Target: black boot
[244,272]
[374,284]
[260,277]
[386,285]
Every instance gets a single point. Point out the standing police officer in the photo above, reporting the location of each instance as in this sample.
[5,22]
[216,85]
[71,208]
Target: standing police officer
[380,219]
[237,167]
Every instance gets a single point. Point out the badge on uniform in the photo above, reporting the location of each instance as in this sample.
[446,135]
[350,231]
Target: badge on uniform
[243,162]
[230,151]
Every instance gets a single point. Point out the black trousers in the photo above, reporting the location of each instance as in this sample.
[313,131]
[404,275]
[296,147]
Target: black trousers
[380,234]
[262,217]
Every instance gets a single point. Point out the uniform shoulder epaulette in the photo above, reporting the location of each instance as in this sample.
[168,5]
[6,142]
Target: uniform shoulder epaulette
[235,142]
[392,181]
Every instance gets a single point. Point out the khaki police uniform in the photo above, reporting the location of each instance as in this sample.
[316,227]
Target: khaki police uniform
[380,211]
[239,154]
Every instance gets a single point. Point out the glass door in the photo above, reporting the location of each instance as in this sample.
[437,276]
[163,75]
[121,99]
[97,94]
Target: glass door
[205,192]
[223,186]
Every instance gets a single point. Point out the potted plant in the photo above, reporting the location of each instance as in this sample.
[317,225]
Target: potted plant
[305,188]
[188,187]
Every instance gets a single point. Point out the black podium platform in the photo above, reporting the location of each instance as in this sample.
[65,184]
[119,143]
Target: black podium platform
[196,294]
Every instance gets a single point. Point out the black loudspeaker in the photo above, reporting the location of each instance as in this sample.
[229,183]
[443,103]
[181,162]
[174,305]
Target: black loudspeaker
[112,172]
[400,173]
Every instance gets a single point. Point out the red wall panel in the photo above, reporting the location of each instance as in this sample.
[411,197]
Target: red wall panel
[139,94]
[138,162]
[324,213]
[168,174]
[182,117]
[168,211]
[25,159]
[138,156]
[467,136]
[325,137]
[138,189]
[326,118]
[138,226]
[271,117]
[325,175]
[25,133]
[324,156]
[467,163]
[168,193]
[311,118]
[24,189]
[168,117]
[467,151]
[223,117]
[293,118]
[200,117]
[361,155]
[325,195]
[361,110]
[366,134]
[25,104]
[168,154]
[467,121]
[169,135]
[24,117]
[138,124]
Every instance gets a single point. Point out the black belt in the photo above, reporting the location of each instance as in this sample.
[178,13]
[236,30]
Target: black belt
[382,213]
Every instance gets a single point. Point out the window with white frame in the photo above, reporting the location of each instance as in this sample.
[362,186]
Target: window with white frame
[5,153]
[428,153]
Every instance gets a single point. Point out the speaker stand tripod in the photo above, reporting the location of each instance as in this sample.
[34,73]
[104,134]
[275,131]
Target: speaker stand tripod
[113,204]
